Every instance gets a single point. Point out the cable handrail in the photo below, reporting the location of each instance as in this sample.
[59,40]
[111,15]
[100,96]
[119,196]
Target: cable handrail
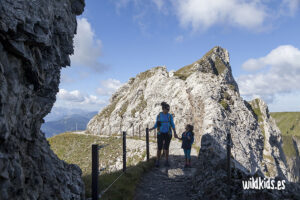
[107,188]
[95,164]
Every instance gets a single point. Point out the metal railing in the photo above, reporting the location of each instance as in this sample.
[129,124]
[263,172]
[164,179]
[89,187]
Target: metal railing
[95,165]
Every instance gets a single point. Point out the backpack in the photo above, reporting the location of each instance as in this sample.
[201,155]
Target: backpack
[160,122]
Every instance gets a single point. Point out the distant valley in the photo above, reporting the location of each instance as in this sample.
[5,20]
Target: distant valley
[64,123]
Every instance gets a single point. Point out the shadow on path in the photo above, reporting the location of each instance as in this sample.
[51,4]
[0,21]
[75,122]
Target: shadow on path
[165,183]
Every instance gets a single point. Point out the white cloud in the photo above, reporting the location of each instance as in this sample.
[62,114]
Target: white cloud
[108,87]
[92,99]
[74,96]
[285,55]
[202,14]
[75,99]
[276,73]
[179,38]
[254,15]
[290,7]
[87,49]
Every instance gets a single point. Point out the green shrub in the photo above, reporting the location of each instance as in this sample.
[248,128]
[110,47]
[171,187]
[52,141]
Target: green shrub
[123,109]
[145,75]
[255,107]
[262,128]
[270,158]
[288,146]
[220,66]
[181,76]
[232,87]
[107,111]
[224,104]
[184,72]
[131,80]
[140,107]
[226,96]
[256,110]
[271,169]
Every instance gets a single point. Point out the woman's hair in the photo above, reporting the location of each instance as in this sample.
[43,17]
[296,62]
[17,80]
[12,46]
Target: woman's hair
[165,105]
[191,128]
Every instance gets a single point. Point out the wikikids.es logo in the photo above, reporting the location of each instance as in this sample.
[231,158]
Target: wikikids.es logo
[266,183]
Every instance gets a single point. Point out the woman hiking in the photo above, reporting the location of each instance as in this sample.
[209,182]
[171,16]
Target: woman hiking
[164,123]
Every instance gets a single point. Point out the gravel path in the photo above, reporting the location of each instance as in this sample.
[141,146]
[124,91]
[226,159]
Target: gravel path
[172,182]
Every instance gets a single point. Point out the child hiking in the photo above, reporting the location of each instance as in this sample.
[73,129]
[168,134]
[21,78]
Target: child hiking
[187,138]
[164,123]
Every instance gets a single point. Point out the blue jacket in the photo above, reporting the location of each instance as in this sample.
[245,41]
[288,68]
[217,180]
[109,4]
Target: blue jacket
[187,143]
[166,121]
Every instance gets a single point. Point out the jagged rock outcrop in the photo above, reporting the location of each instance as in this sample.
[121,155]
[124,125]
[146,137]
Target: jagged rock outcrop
[293,161]
[211,182]
[274,159]
[36,39]
[273,145]
[204,94]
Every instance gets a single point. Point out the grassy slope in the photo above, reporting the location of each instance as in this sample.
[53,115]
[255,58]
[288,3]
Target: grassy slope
[76,149]
[289,125]
[288,122]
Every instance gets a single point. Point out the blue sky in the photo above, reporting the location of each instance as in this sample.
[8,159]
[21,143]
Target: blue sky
[118,39]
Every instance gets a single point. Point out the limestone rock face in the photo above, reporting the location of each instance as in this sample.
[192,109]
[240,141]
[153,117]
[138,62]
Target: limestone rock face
[36,39]
[274,162]
[293,162]
[204,94]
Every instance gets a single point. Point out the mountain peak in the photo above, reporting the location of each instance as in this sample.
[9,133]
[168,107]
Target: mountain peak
[215,61]
[219,52]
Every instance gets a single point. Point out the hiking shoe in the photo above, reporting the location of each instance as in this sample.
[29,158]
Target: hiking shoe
[167,164]
[157,164]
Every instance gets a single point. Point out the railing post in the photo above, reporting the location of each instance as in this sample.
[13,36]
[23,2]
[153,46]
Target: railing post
[95,172]
[139,131]
[228,163]
[124,151]
[133,130]
[147,143]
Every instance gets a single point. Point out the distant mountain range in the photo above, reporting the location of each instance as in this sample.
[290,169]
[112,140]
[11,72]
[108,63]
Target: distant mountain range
[71,122]
[60,112]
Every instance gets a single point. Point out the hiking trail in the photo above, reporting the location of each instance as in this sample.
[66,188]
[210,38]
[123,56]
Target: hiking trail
[172,182]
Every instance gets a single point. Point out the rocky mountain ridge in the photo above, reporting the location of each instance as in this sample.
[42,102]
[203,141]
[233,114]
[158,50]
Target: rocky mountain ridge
[205,94]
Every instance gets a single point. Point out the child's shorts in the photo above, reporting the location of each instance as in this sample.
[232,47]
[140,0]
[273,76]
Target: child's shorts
[187,153]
